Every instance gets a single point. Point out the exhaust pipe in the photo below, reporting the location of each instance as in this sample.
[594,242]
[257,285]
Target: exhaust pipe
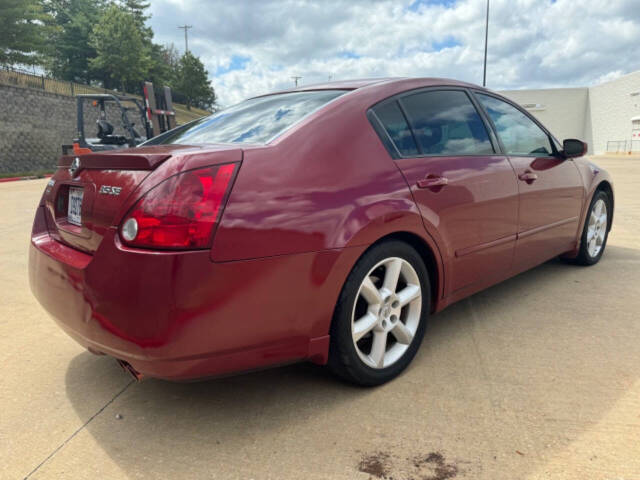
[126,366]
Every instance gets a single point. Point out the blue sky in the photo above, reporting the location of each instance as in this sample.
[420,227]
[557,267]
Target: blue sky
[255,46]
[417,4]
[236,62]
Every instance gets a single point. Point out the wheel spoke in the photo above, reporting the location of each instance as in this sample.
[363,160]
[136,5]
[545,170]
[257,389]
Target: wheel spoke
[370,293]
[378,348]
[402,333]
[590,234]
[392,274]
[363,325]
[408,294]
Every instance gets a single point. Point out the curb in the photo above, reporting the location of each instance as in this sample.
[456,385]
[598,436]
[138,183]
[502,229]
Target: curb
[30,177]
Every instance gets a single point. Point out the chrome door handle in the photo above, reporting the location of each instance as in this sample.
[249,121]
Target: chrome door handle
[432,181]
[528,177]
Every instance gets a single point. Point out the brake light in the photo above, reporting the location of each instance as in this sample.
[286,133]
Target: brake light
[181,212]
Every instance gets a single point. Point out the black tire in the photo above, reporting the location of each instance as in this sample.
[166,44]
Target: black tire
[344,360]
[584,257]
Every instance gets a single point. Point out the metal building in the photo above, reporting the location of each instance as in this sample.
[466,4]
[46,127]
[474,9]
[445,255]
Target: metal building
[606,116]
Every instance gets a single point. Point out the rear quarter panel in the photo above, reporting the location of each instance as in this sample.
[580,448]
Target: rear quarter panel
[329,185]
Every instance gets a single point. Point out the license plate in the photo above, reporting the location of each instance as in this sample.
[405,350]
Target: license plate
[75,206]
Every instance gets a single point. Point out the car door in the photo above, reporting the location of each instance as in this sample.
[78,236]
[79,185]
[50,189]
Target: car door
[466,192]
[550,187]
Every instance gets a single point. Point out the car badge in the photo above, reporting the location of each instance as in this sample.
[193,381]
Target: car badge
[75,166]
[109,190]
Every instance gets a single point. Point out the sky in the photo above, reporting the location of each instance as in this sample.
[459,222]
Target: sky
[252,47]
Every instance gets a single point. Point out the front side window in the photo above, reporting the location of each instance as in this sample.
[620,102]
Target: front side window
[445,122]
[519,134]
[256,120]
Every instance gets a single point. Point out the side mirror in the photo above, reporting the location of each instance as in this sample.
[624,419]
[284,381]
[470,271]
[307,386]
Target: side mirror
[572,148]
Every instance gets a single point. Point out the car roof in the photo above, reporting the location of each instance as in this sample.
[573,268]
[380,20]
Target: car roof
[384,82]
[345,84]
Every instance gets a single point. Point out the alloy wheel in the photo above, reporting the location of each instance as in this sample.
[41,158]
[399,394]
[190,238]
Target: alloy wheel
[597,228]
[386,312]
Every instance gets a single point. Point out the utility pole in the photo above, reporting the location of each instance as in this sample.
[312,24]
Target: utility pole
[295,78]
[486,41]
[186,39]
[329,77]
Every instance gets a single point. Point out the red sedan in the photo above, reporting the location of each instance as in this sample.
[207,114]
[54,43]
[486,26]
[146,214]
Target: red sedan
[324,223]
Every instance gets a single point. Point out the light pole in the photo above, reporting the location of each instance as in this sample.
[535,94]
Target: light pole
[486,41]
[296,78]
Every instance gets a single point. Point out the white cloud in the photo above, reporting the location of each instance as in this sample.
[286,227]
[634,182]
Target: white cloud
[532,43]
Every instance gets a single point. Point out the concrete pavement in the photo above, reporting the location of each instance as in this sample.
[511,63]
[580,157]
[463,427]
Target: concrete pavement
[536,378]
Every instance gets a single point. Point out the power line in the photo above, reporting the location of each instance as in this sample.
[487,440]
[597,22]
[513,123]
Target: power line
[186,39]
[295,78]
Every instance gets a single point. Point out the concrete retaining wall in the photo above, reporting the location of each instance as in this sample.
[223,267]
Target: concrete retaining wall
[34,125]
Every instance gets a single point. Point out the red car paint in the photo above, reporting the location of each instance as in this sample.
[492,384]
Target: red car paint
[301,211]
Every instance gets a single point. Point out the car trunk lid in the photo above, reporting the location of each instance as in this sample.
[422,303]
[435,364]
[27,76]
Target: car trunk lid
[89,193]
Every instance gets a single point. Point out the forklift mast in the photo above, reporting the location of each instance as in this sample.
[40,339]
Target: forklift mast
[160,114]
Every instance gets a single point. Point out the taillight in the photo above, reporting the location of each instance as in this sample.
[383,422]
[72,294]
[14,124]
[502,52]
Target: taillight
[181,212]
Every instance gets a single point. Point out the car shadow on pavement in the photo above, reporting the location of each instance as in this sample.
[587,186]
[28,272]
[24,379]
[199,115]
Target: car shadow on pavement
[506,381]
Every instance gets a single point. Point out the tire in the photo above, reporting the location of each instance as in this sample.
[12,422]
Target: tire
[363,317]
[596,227]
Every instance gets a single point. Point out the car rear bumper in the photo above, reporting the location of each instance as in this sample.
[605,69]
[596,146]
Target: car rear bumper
[181,316]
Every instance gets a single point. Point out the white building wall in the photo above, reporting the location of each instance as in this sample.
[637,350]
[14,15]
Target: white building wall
[612,106]
[597,115]
[564,111]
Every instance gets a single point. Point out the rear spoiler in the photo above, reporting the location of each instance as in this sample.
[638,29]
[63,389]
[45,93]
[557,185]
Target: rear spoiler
[116,161]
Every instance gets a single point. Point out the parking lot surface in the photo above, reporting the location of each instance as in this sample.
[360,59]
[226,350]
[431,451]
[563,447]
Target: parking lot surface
[535,378]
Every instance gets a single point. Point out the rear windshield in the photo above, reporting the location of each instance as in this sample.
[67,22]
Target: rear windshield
[256,120]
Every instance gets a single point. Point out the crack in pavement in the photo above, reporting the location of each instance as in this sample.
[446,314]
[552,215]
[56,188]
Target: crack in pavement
[59,447]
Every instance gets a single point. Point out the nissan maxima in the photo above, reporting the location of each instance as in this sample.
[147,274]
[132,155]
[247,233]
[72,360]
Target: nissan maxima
[325,223]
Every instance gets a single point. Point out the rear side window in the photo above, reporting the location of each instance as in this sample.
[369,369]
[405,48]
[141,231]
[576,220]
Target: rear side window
[519,134]
[396,127]
[445,122]
[256,120]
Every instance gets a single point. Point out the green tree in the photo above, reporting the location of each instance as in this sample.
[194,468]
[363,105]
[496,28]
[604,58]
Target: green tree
[165,60]
[138,8]
[23,34]
[193,84]
[74,21]
[171,57]
[160,72]
[120,49]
